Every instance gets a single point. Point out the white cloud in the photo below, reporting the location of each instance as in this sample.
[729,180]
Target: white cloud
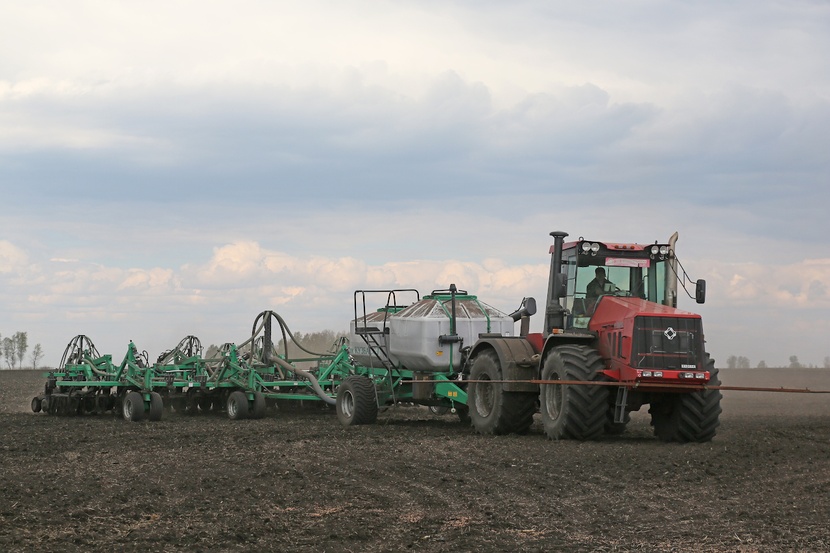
[203,161]
[12,258]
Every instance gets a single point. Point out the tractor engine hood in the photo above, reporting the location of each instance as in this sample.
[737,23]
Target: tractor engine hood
[641,339]
[612,311]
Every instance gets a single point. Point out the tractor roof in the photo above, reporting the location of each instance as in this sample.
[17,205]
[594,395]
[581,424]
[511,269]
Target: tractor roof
[618,246]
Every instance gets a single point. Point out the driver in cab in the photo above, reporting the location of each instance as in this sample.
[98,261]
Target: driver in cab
[600,285]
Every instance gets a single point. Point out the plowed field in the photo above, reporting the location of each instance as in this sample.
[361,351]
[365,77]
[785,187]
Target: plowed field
[415,481]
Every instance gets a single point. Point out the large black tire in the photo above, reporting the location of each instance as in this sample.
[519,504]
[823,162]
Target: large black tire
[156,407]
[575,412]
[259,407]
[356,401]
[689,417]
[132,407]
[36,404]
[238,405]
[491,409]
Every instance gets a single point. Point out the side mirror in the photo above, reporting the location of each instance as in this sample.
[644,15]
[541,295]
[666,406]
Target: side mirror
[527,309]
[700,291]
[561,285]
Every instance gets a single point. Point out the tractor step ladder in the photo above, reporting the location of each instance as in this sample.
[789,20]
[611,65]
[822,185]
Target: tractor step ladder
[620,404]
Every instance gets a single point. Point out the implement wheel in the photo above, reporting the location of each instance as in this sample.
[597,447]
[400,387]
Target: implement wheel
[156,407]
[132,408]
[237,405]
[689,417]
[36,404]
[356,402]
[205,404]
[259,407]
[573,411]
[491,409]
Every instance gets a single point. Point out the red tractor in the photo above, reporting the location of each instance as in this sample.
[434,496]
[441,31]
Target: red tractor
[611,318]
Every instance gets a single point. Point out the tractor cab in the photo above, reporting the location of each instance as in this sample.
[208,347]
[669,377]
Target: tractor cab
[597,269]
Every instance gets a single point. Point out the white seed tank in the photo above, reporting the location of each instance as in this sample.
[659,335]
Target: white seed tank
[419,337]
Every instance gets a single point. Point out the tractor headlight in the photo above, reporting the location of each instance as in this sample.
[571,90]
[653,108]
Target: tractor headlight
[664,250]
[594,247]
[586,247]
[655,249]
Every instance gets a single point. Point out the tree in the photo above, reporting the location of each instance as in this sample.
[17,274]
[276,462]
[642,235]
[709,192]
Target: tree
[37,354]
[322,342]
[731,362]
[743,362]
[22,344]
[762,364]
[794,364]
[9,352]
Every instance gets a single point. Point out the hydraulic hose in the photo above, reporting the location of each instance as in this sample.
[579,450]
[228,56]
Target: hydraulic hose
[311,378]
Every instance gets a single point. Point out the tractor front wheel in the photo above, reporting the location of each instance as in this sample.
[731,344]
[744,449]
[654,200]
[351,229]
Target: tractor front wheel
[688,417]
[356,402]
[573,411]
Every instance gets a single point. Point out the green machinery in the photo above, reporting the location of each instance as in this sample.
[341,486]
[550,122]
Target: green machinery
[357,378]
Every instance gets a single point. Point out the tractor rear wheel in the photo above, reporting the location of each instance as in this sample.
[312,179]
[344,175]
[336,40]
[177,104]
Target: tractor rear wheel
[491,409]
[689,417]
[573,411]
[156,407]
[132,407]
[356,402]
[238,405]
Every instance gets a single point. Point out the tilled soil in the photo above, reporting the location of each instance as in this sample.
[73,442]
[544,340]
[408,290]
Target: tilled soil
[414,481]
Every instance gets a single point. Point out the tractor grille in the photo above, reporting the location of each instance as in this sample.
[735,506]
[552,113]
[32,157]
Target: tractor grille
[672,343]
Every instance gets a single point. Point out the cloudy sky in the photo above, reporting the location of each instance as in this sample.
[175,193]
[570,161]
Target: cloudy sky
[173,168]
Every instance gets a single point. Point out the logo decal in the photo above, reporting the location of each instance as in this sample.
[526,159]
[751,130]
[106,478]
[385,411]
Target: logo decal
[669,333]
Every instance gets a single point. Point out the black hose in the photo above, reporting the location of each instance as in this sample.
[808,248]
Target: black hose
[311,378]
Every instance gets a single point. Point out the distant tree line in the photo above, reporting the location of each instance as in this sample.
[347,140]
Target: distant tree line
[741,362]
[14,348]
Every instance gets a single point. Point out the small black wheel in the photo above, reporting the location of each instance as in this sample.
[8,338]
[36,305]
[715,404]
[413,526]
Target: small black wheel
[237,405]
[439,409]
[205,403]
[356,401]
[46,405]
[259,407]
[36,404]
[132,407]
[156,407]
